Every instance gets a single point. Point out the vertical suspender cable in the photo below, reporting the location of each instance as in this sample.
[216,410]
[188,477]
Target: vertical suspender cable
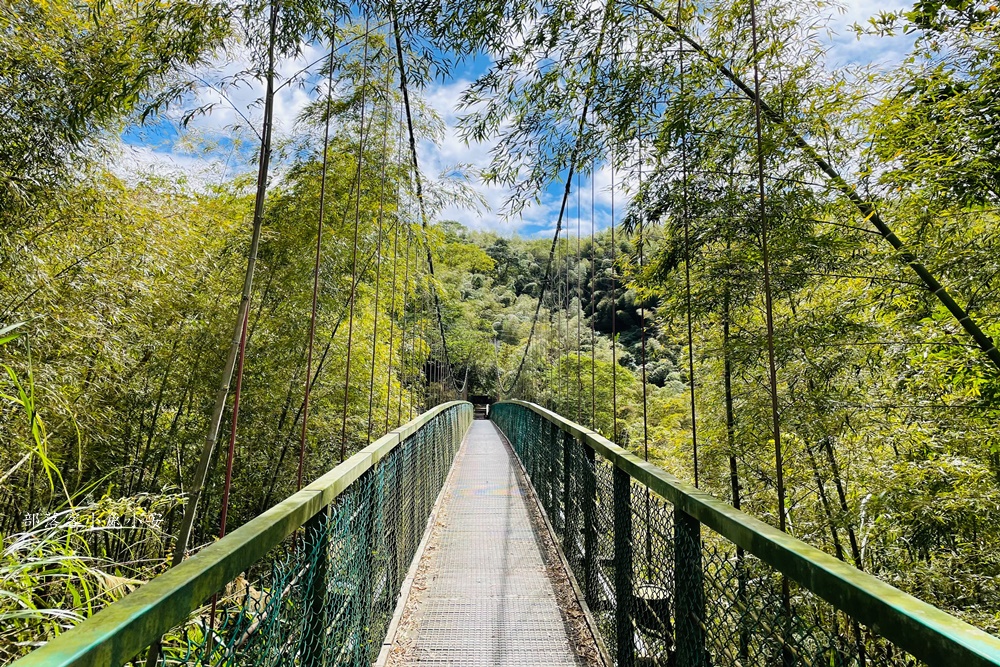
[187,522]
[562,315]
[642,316]
[579,304]
[354,250]
[230,456]
[378,253]
[419,184]
[392,329]
[687,256]
[563,311]
[614,315]
[233,427]
[568,339]
[392,292]
[428,369]
[566,335]
[315,289]
[768,302]
[554,343]
[405,364]
[787,656]
[593,297]
[642,339]
[557,314]
[567,302]
[238,345]
[595,58]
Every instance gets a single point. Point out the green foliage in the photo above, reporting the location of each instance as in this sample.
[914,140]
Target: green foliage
[69,564]
[71,71]
[124,292]
[878,389]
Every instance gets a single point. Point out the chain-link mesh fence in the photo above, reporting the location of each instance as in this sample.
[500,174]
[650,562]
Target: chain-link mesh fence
[328,593]
[664,589]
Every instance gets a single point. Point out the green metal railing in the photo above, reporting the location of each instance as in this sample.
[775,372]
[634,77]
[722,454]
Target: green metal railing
[319,596]
[675,577]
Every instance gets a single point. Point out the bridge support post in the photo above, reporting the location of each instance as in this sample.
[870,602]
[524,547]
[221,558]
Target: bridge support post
[689,592]
[556,509]
[590,556]
[366,563]
[625,650]
[551,479]
[393,523]
[543,462]
[317,542]
[569,499]
[410,493]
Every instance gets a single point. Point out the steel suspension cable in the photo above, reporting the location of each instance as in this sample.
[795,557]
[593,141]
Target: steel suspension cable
[569,180]
[378,255]
[568,301]
[231,453]
[561,314]
[395,266]
[555,346]
[354,249]
[401,63]
[316,265]
[687,257]
[579,305]
[614,315]
[430,363]
[565,303]
[593,297]
[402,337]
[642,316]
[642,337]
[779,470]
[392,330]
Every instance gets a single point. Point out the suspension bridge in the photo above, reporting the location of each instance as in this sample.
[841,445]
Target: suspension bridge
[422,549]
[517,537]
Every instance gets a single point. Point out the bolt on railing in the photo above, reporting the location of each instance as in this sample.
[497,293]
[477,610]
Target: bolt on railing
[319,596]
[676,577]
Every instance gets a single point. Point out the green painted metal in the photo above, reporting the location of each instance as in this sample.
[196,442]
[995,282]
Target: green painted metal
[927,633]
[119,632]
[624,570]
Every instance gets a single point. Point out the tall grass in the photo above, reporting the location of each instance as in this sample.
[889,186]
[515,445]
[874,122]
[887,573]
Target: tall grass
[66,564]
[59,571]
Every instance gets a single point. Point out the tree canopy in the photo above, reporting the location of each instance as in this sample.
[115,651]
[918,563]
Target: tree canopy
[861,372]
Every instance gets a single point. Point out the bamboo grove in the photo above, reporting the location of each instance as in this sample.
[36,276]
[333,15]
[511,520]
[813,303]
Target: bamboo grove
[774,277]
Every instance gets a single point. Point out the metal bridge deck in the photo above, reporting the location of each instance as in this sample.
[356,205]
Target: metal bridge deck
[482,594]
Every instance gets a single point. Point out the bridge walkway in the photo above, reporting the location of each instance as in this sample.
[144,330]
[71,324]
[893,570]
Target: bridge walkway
[486,591]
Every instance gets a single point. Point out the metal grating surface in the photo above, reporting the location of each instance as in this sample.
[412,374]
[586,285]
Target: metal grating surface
[488,599]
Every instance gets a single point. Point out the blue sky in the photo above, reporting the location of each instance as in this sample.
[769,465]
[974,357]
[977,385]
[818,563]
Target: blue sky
[215,146]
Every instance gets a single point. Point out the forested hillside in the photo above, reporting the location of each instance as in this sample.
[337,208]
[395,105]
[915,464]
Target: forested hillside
[791,303]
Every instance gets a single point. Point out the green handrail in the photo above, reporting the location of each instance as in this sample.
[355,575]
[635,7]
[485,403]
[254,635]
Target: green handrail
[926,632]
[121,630]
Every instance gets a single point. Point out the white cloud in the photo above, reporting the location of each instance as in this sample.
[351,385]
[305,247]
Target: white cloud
[536,218]
[238,112]
[136,162]
[846,48]
[202,151]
